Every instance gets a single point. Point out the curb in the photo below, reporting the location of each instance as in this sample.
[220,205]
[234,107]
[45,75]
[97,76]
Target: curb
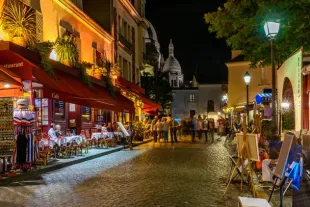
[37,172]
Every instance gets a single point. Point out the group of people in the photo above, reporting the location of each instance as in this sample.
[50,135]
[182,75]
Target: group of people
[208,127]
[159,128]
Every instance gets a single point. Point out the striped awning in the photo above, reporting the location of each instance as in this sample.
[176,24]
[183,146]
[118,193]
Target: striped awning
[263,97]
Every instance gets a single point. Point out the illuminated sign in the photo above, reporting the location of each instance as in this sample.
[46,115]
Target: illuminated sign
[14,65]
[55,95]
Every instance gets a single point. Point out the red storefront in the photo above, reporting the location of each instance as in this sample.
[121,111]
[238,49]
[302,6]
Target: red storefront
[65,99]
[150,107]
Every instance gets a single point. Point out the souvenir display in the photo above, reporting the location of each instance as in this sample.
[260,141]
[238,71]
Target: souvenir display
[7,141]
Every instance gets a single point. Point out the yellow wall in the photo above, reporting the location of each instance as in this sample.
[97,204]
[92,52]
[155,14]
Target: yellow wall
[237,87]
[56,11]
[291,69]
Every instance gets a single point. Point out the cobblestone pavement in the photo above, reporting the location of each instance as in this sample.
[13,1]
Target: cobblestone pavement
[150,175]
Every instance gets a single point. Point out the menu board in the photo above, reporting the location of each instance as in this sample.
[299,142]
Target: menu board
[59,109]
[7,141]
[86,114]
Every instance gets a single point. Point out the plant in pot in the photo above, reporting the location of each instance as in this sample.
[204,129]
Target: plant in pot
[66,50]
[138,131]
[19,21]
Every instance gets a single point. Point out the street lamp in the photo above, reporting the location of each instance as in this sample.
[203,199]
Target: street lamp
[272,29]
[247,80]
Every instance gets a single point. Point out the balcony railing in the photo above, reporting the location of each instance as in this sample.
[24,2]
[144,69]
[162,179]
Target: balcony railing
[124,41]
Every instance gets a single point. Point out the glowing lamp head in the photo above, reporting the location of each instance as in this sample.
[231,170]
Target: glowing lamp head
[53,55]
[271,29]
[285,105]
[219,113]
[247,78]
[7,85]
[225,97]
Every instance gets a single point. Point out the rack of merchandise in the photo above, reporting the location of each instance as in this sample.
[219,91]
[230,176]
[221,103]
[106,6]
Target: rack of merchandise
[7,140]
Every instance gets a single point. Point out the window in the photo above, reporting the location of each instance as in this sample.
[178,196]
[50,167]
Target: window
[210,107]
[171,83]
[59,111]
[72,107]
[192,98]
[42,111]
[175,83]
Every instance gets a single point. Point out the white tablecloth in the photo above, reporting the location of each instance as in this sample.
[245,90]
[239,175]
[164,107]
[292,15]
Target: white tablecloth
[98,135]
[61,141]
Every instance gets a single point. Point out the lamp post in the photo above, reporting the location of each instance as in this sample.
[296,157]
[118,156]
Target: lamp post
[271,30]
[284,107]
[247,80]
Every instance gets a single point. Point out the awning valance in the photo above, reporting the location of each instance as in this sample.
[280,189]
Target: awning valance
[66,85]
[263,97]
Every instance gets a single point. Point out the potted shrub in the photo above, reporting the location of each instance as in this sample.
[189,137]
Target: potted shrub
[138,131]
[66,50]
[19,21]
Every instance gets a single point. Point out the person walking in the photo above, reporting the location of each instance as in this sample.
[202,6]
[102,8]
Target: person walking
[194,128]
[211,129]
[165,129]
[199,127]
[205,128]
[159,129]
[154,128]
[174,126]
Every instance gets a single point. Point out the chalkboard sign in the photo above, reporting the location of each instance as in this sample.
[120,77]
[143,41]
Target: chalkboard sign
[59,110]
[86,114]
[282,160]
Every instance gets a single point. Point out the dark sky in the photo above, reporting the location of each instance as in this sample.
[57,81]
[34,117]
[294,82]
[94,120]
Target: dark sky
[195,48]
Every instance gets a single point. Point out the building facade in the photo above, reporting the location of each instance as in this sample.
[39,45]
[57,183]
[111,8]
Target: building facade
[203,100]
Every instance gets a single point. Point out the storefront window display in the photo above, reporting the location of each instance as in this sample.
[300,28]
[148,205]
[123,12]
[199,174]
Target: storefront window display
[86,114]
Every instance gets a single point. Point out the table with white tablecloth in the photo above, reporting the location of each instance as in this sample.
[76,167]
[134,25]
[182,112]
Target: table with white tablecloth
[61,141]
[98,135]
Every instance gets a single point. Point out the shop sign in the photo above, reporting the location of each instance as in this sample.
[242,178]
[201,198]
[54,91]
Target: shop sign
[14,65]
[55,95]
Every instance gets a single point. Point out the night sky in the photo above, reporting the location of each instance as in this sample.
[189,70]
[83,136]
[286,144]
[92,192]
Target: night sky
[195,48]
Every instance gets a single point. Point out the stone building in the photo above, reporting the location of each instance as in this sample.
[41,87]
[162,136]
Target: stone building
[198,99]
[173,69]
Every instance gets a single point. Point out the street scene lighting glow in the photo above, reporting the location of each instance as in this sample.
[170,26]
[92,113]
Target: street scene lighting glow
[285,105]
[271,29]
[7,85]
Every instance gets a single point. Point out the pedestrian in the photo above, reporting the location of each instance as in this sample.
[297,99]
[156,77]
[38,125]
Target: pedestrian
[199,127]
[175,126]
[194,128]
[211,129]
[159,129]
[165,129]
[154,128]
[205,128]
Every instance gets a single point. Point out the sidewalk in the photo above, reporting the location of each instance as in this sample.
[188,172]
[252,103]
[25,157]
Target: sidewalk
[61,163]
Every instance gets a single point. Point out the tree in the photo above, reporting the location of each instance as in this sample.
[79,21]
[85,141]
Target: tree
[241,23]
[159,91]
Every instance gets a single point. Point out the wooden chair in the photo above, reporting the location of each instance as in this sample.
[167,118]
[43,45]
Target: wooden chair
[89,140]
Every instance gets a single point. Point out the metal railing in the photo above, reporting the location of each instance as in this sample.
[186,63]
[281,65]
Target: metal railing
[124,41]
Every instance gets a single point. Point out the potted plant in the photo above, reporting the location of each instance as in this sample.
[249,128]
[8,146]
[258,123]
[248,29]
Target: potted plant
[66,50]
[19,21]
[138,131]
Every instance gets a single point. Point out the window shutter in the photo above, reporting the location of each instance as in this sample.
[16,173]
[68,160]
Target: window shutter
[39,26]
[94,55]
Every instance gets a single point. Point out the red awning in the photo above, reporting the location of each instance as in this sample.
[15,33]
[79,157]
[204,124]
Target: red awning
[125,104]
[149,105]
[10,83]
[66,87]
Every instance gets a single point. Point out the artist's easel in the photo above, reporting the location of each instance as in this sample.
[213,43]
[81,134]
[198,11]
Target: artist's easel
[242,156]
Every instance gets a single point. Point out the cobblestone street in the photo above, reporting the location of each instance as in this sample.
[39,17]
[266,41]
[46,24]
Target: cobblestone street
[188,175]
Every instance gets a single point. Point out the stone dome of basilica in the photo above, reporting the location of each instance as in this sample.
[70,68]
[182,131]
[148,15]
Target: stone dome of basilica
[172,64]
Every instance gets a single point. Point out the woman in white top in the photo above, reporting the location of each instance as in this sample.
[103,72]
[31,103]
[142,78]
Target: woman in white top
[104,128]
